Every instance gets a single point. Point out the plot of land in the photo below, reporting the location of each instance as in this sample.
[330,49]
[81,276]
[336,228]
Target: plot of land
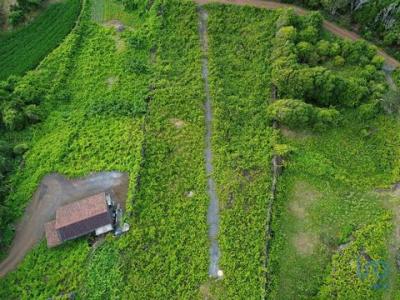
[126,93]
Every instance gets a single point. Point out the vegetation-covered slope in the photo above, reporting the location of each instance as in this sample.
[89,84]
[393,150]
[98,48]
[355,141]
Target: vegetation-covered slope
[133,101]
[169,256]
[98,126]
[86,131]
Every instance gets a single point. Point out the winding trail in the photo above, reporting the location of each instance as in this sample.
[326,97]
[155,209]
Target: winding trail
[213,209]
[333,28]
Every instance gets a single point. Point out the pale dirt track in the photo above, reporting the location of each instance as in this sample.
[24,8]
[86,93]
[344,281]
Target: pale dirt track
[53,192]
[333,28]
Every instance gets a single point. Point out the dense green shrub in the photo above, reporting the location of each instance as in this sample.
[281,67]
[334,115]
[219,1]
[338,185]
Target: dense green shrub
[293,113]
[298,114]
[20,149]
[19,100]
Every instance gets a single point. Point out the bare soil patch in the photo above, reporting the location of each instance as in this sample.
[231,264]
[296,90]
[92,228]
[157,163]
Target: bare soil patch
[304,195]
[55,191]
[294,134]
[111,81]
[205,292]
[305,243]
[117,24]
[177,123]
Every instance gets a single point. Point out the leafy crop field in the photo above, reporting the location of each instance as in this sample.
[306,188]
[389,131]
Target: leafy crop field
[23,49]
[133,101]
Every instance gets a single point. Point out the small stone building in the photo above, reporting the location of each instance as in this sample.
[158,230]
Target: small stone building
[92,214]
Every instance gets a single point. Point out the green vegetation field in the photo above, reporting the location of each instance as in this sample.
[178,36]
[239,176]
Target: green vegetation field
[239,46]
[99,126]
[24,48]
[133,101]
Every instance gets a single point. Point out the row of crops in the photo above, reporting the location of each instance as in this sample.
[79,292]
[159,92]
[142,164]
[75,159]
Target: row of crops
[24,48]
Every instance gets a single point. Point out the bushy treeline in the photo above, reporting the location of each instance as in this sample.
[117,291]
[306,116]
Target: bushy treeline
[19,103]
[21,8]
[375,19]
[307,66]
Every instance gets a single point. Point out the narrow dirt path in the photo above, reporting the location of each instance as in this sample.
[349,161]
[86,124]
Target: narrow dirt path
[333,28]
[53,192]
[213,209]
[276,171]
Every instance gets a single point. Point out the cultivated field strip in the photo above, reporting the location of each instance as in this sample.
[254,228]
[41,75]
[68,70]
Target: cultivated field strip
[239,48]
[168,258]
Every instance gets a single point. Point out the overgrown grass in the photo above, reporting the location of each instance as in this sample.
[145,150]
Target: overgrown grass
[23,49]
[165,253]
[239,46]
[326,198]
[168,257]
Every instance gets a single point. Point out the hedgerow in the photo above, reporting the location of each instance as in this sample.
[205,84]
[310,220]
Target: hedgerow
[23,49]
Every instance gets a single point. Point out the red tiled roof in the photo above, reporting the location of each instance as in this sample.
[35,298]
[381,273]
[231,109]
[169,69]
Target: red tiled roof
[81,210]
[51,234]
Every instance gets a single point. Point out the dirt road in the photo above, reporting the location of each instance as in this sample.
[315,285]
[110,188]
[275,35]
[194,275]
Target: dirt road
[335,29]
[55,191]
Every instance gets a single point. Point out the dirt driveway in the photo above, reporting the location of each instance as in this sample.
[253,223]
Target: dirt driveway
[54,191]
[335,29]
